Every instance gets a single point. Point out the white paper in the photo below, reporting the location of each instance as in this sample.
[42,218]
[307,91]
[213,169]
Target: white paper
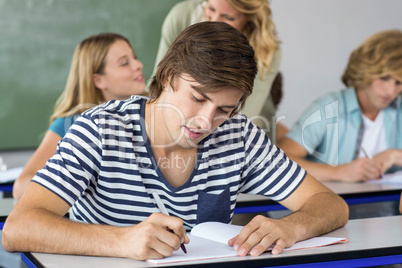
[198,249]
[217,231]
[208,240]
[314,242]
[392,178]
[10,175]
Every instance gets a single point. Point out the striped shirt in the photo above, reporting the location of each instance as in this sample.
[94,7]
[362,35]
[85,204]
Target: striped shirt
[105,169]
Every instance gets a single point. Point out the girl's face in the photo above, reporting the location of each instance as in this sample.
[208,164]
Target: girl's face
[221,10]
[122,75]
[190,116]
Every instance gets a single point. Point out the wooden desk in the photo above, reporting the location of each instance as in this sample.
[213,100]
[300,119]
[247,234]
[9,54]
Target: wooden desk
[353,193]
[373,241]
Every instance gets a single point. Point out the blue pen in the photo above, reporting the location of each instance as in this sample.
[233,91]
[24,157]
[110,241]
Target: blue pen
[162,208]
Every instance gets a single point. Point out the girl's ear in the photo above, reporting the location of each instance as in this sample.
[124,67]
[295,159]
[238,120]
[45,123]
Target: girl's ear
[98,81]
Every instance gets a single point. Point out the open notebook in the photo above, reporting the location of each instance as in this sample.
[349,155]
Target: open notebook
[208,240]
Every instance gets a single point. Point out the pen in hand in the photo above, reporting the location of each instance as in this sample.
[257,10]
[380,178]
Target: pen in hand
[162,208]
[369,156]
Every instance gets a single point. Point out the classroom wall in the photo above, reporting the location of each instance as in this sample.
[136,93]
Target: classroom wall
[37,40]
[317,38]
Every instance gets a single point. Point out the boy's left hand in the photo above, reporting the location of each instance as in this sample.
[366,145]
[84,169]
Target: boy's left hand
[261,233]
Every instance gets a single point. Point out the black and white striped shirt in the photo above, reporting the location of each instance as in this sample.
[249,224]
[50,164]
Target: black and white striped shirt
[105,169]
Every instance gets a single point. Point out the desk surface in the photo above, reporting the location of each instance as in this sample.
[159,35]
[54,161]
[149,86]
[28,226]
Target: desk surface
[371,238]
[13,159]
[16,158]
[344,189]
[6,205]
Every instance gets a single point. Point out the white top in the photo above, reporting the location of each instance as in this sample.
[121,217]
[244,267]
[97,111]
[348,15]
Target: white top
[373,140]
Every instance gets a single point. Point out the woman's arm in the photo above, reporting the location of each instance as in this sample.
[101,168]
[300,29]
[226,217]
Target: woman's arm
[46,149]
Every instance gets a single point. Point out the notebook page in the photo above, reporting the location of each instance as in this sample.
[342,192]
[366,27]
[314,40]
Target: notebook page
[198,249]
[213,243]
[391,178]
[217,231]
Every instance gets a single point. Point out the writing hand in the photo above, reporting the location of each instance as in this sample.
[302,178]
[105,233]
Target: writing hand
[156,237]
[361,169]
[388,158]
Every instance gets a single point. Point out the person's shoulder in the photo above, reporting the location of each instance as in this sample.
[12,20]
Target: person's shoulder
[59,120]
[63,121]
[122,106]
[334,102]
[182,15]
[333,96]
[186,5]
[238,120]
[116,106]
[240,125]
[278,52]
[61,124]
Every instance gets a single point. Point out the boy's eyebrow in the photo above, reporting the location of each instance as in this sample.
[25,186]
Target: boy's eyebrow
[205,96]
[208,98]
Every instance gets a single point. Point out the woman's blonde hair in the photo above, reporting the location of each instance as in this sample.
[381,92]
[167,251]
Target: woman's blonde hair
[88,59]
[259,29]
[379,56]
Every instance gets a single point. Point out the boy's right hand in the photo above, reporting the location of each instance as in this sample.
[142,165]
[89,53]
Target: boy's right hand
[361,169]
[154,238]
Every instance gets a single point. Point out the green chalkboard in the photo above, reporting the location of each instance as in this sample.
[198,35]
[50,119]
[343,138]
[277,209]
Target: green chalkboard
[37,40]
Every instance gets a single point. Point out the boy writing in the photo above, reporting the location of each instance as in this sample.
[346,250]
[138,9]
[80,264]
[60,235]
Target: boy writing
[188,144]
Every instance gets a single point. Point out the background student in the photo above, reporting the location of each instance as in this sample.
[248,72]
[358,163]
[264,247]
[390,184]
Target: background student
[254,20]
[277,95]
[104,67]
[189,144]
[355,134]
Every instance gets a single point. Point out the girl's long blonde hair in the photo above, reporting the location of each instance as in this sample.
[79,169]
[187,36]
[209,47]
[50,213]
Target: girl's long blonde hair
[88,59]
[260,29]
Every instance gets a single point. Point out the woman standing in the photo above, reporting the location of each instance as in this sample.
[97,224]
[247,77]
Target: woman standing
[254,19]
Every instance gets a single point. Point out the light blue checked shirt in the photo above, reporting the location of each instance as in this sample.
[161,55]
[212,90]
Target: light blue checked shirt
[329,128]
